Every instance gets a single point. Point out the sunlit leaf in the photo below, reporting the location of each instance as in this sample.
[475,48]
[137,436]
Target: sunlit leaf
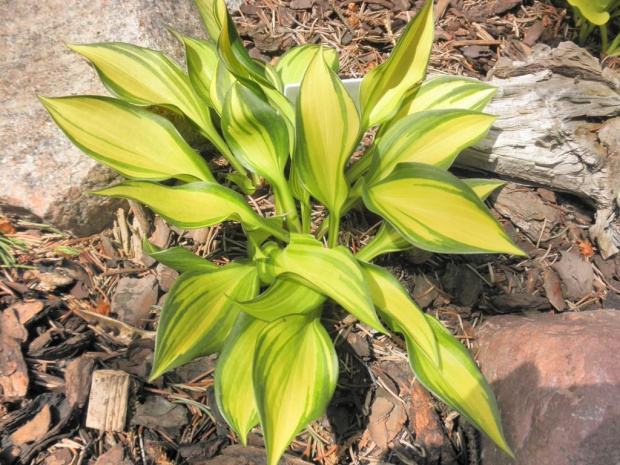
[198,315]
[133,141]
[293,64]
[256,133]
[294,376]
[595,11]
[436,211]
[213,14]
[483,187]
[178,258]
[433,137]
[284,297]
[404,314]
[332,272]
[384,87]
[232,380]
[327,132]
[458,382]
[192,206]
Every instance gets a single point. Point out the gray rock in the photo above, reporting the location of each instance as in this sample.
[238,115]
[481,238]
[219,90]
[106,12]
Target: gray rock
[134,298]
[44,176]
[557,382]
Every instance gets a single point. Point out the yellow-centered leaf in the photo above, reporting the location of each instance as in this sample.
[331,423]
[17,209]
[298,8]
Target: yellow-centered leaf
[327,131]
[232,380]
[195,205]
[293,64]
[433,137]
[294,376]
[213,14]
[436,211]
[133,141]
[403,313]
[458,382]
[384,87]
[198,313]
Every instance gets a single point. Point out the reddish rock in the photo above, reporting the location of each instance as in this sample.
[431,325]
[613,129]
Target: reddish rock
[557,382]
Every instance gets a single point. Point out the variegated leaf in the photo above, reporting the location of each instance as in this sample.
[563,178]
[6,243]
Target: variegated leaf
[433,137]
[213,14]
[327,132]
[436,211]
[133,141]
[220,85]
[284,297]
[195,205]
[483,187]
[293,64]
[404,314]
[294,375]
[198,314]
[458,382]
[256,133]
[202,62]
[232,380]
[447,93]
[384,87]
[178,258]
[147,77]
[332,272]
[389,239]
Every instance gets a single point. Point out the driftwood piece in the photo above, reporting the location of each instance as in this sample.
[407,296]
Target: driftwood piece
[107,405]
[558,127]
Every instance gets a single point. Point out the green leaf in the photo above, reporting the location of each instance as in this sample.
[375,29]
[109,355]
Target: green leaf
[146,77]
[384,87]
[389,239]
[332,272]
[404,314]
[232,380]
[213,14]
[436,211]
[595,11]
[256,133]
[178,258]
[193,206]
[284,297]
[447,93]
[219,87]
[458,382]
[198,315]
[293,64]
[202,62]
[236,58]
[133,141]
[327,132]
[433,137]
[294,375]
[483,187]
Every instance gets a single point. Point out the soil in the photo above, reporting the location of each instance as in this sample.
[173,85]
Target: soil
[57,295]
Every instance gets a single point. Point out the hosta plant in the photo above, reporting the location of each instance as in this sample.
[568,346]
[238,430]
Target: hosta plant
[277,365]
[590,14]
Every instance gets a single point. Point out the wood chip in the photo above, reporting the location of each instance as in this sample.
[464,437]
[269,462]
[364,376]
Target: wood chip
[35,429]
[78,380]
[107,405]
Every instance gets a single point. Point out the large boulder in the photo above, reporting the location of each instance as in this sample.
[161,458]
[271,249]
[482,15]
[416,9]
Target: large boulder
[557,382]
[43,175]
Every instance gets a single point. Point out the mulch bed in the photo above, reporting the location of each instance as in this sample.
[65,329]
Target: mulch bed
[58,323]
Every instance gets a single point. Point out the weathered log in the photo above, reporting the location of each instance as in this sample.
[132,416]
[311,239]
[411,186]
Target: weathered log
[558,127]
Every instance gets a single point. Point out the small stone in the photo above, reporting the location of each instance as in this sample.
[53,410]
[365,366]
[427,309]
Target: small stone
[166,277]
[157,412]
[35,429]
[577,276]
[556,380]
[134,298]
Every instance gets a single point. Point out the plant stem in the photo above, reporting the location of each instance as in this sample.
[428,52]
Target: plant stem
[286,202]
[334,229]
[306,217]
